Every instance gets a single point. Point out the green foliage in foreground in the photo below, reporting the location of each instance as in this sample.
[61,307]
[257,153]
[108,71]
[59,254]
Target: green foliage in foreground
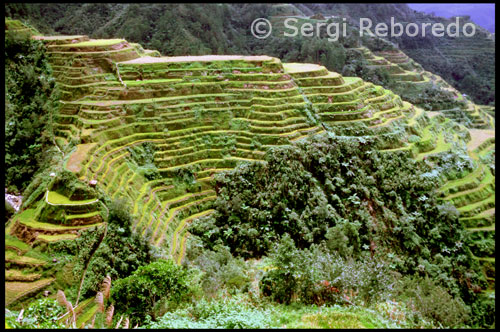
[41,314]
[225,313]
[30,100]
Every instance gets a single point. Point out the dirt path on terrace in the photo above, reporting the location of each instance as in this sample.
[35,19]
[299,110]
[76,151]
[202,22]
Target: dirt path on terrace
[75,160]
[479,136]
[432,114]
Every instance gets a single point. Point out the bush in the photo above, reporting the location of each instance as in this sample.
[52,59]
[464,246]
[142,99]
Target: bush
[431,302]
[141,293]
[220,269]
[317,275]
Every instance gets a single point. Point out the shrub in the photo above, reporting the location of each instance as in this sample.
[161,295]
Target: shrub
[220,269]
[140,294]
[316,275]
[431,302]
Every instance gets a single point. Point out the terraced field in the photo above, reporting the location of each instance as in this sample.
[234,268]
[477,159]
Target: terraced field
[474,197]
[201,115]
[409,73]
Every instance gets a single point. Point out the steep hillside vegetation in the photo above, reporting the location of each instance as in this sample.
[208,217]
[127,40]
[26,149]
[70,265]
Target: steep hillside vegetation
[206,160]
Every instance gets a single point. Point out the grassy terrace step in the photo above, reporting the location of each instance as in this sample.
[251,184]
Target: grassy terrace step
[376,118]
[82,78]
[346,87]
[482,229]
[205,154]
[172,150]
[99,158]
[487,152]
[485,218]
[206,163]
[26,218]
[201,73]
[206,60]
[209,173]
[146,190]
[90,45]
[18,275]
[114,193]
[17,290]
[487,185]
[276,123]
[387,121]
[117,173]
[472,209]
[277,115]
[441,146]
[471,180]
[226,84]
[182,225]
[118,144]
[267,93]
[331,97]
[151,200]
[330,79]
[62,57]
[100,123]
[82,216]
[55,198]
[13,257]
[155,128]
[101,172]
[279,130]
[13,243]
[167,207]
[472,195]
[56,237]
[174,212]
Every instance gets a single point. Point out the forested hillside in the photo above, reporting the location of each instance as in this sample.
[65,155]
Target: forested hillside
[283,184]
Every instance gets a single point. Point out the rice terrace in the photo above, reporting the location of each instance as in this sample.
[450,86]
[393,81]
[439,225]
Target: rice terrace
[224,181]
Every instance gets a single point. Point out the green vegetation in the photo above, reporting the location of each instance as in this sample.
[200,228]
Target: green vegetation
[140,293]
[30,103]
[41,314]
[235,191]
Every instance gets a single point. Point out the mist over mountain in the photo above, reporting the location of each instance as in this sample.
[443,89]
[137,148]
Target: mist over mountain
[483,14]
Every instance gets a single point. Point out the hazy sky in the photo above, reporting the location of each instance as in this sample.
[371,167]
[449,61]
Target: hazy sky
[482,14]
